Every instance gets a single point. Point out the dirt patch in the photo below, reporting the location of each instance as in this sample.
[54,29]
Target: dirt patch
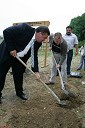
[41,109]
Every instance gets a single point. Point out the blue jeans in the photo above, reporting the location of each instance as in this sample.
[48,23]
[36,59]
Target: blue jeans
[69,59]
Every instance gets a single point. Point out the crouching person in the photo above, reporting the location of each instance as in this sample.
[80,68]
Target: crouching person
[59,50]
[20,40]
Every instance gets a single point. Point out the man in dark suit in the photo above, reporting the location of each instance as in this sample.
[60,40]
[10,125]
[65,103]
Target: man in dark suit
[16,39]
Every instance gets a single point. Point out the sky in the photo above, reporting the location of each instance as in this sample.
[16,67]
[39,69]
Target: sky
[58,12]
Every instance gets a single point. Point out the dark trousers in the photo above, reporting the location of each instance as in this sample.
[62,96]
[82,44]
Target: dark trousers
[69,59]
[17,70]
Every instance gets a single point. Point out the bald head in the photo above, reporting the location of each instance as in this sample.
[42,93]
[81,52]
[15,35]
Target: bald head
[57,38]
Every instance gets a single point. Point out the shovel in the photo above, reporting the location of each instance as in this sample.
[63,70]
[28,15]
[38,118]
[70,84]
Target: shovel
[61,103]
[67,93]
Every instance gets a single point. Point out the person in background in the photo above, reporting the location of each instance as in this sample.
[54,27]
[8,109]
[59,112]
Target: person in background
[72,41]
[18,41]
[51,37]
[82,58]
[59,50]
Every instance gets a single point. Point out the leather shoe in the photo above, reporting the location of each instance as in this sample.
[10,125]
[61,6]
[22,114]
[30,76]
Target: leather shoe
[50,83]
[22,96]
[78,69]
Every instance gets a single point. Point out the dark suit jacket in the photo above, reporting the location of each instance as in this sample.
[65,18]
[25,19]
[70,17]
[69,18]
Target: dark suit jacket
[16,38]
[4,54]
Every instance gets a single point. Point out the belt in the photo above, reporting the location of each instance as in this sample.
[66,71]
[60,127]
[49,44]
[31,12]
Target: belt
[70,49]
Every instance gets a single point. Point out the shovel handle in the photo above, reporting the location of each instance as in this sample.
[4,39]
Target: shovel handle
[59,74]
[40,80]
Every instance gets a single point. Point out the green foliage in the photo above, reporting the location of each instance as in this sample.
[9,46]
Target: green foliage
[81,43]
[78,25]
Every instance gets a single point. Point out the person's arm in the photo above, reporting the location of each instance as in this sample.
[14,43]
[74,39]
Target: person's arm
[76,49]
[8,37]
[36,48]
[76,45]
[35,69]
[63,51]
[17,37]
[50,41]
[84,51]
[63,57]
[9,42]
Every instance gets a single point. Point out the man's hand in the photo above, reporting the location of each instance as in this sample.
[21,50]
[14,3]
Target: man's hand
[37,75]
[13,53]
[57,65]
[76,53]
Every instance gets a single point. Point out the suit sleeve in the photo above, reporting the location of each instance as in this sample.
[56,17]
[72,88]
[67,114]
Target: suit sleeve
[17,37]
[37,46]
[8,37]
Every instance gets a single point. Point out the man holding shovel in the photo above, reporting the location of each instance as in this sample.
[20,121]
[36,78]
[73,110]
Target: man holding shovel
[24,41]
[59,49]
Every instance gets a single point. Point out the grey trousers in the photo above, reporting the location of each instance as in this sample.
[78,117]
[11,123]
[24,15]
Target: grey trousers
[54,69]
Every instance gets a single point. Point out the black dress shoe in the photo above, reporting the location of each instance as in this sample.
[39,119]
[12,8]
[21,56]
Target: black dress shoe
[22,96]
[50,83]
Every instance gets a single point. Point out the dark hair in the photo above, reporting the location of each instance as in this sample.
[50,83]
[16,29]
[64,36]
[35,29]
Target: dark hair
[68,27]
[43,29]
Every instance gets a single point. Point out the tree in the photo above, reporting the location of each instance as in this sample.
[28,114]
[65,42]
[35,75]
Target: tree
[78,25]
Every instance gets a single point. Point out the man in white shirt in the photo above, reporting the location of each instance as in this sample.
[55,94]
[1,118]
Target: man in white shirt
[72,42]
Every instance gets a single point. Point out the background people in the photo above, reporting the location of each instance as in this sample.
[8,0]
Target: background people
[72,42]
[82,58]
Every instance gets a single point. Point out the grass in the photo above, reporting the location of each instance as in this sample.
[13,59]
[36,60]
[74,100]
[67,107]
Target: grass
[42,52]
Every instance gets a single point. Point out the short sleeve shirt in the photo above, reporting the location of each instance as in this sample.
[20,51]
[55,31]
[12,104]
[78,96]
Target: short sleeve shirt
[71,40]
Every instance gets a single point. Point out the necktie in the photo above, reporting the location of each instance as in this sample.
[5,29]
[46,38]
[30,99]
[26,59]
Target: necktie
[32,54]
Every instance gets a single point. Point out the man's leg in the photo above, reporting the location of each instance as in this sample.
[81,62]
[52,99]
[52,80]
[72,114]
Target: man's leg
[53,71]
[56,57]
[18,70]
[64,71]
[4,67]
[69,59]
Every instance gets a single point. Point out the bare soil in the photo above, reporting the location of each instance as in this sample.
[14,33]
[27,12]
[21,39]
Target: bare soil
[42,110]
